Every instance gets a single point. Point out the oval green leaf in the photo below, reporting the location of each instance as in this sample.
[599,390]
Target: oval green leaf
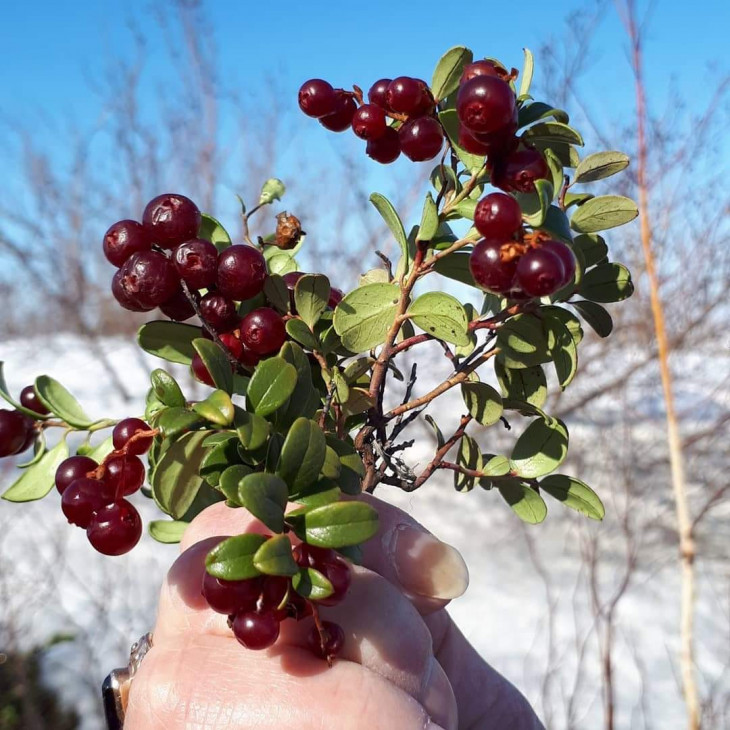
[601,165]
[37,480]
[340,524]
[167,389]
[364,316]
[525,502]
[541,448]
[167,531]
[60,402]
[448,72]
[211,230]
[274,557]
[171,341]
[575,494]
[596,316]
[272,383]
[442,316]
[602,213]
[232,559]
[607,283]
[312,584]
[311,295]
[483,402]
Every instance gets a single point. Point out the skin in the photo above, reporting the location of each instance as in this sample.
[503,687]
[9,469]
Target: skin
[405,664]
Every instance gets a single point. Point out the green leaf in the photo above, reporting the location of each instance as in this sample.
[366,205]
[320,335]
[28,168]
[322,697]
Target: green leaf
[176,479]
[496,466]
[442,316]
[272,383]
[530,113]
[575,494]
[276,293]
[393,221]
[218,459]
[525,502]
[448,72]
[340,524]
[216,408]
[60,402]
[211,230]
[265,497]
[429,220]
[562,348]
[216,362]
[602,213]
[37,480]
[302,455]
[332,465]
[450,122]
[483,402]
[352,469]
[557,223]
[524,384]
[312,584]
[592,247]
[230,479]
[552,132]
[167,531]
[607,283]
[39,450]
[311,295]
[527,72]
[174,421]
[297,330]
[566,153]
[322,492]
[600,165]
[281,263]
[253,431]
[274,557]
[358,368]
[232,559]
[455,266]
[273,189]
[542,448]
[364,317]
[172,341]
[440,440]
[167,389]
[102,450]
[469,456]
[523,342]
[535,205]
[596,316]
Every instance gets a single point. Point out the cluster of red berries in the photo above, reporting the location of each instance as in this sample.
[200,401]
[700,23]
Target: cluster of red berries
[513,264]
[92,495]
[18,430]
[406,101]
[257,606]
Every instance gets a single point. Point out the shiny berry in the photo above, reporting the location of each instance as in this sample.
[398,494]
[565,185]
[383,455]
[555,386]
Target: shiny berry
[421,139]
[311,556]
[30,400]
[81,499]
[256,630]
[385,149]
[498,216]
[123,239]
[341,118]
[298,607]
[482,68]
[71,469]
[201,372]
[123,476]
[540,272]
[263,331]
[330,644]
[218,311]
[170,219]
[249,358]
[518,171]
[501,143]
[378,94]
[471,144]
[231,596]
[178,307]
[317,98]
[566,256]
[14,429]
[232,344]
[125,430]
[338,574]
[124,298]
[241,272]
[115,529]
[197,263]
[336,296]
[485,104]
[149,278]
[409,96]
[490,269]
[274,595]
[369,122]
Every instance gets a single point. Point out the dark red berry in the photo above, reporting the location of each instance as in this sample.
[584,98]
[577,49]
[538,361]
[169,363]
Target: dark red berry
[501,143]
[200,371]
[485,104]
[233,344]
[385,149]
[490,269]
[498,216]
[123,476]
[249,358]
[518,171]
[566,256]
[125,299]
[149,278]
[338,573]
[482,68]
[81,499]
[123,239]
[30,400]
[256,630]
[197,263]
[170,219]
[71,469]
[241,272]
[178,307]
[125,430]
[317,98]
[378,94]
[263,331]
[274,595]
[336,296]
[291,280]
[369,122]
[409,96]
[115,529]
[421,139]
[14,429]
[471,144]
[341,118]
[30,439]
[218,311]
[231,596]
[311,556]
[298,607]
[540,272]
[328,645]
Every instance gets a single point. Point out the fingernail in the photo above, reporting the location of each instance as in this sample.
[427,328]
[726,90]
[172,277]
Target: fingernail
[438,698]
[428,567]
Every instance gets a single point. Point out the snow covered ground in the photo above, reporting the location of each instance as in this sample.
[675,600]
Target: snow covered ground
[51,581]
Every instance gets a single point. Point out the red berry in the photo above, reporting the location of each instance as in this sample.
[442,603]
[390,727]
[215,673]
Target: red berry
[218,311]
[385,149]
[125,430]
[482,68]
[378,94]
[30,400]
[256,630]
[298,607]
[123,239]
[338,573]
[200,371]
[274,594]
[485,104]
[263,331]
[71,469]
[241,272]
[317,98]
[409,96]
[231,596]
[197,263]
[519,170]
[471,144]
[421,139]
[14,431]
[341,118]
[115,529]
[540,272]
[498,216]
[123,476]
[369,122]
[566,256]
[291,280]
[489,269]
[311,556]
[149,278]
[328,645]
[124,298]
[336,296]
[170,219]
[81,499]
[178,307]
[249,358]
[233,344]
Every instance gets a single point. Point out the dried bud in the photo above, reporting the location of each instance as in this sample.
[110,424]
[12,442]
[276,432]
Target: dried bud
[288,231]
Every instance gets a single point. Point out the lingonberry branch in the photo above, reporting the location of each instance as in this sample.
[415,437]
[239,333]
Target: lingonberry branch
[563,192]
